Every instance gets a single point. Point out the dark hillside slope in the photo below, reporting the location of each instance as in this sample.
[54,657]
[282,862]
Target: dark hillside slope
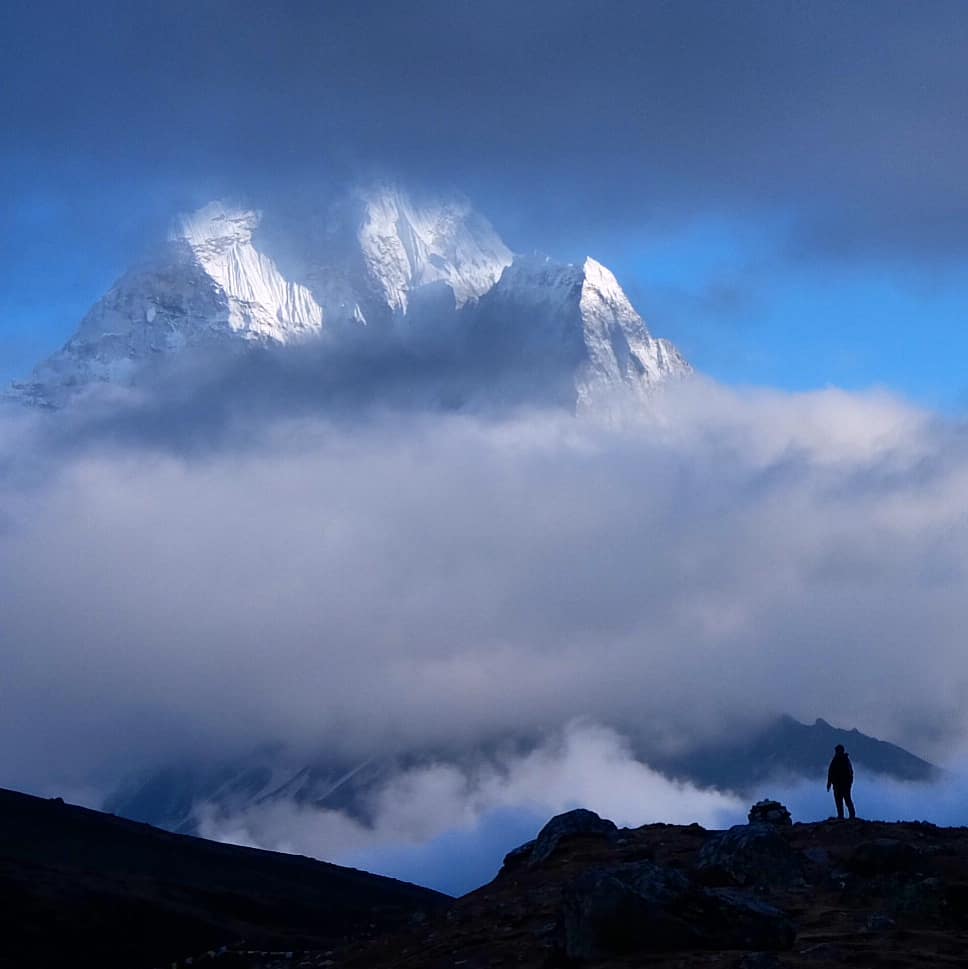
[86,889]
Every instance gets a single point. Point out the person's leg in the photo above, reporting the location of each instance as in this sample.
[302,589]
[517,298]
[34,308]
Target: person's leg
[849,801]
[839,801]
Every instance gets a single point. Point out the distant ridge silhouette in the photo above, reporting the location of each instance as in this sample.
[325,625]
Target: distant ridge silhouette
[788,748]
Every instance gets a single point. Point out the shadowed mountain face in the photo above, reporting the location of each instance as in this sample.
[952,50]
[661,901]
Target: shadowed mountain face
[86,889]
[787,748]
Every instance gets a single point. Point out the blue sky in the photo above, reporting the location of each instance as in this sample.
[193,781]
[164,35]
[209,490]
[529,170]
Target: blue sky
[745,315]
[779,185]
[740,313]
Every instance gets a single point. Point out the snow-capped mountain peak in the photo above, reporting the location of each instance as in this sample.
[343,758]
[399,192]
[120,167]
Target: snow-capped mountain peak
[601,282]
[215,227]
[405,245]
[562,315]
[262,304]
[376,261]
[621,351]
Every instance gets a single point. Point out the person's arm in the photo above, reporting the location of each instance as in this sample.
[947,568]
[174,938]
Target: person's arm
[830,773]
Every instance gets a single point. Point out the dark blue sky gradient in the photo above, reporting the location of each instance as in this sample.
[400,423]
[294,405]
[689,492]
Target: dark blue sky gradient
[779,185]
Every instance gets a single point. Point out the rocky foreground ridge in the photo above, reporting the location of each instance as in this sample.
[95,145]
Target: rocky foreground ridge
[759,896]
[85,889]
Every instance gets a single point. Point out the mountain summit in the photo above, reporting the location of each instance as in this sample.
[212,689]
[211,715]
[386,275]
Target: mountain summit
[374,265]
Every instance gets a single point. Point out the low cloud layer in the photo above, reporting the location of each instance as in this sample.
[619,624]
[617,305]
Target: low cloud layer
[435,582]
[383,585]
[449,826]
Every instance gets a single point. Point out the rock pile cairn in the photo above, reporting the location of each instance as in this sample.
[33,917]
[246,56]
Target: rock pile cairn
[770,812]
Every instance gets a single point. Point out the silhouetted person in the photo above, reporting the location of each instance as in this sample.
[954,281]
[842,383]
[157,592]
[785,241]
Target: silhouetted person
[840,776]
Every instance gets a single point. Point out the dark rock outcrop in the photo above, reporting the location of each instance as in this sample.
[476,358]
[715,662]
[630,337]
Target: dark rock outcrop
[751,855]
[883,856]
[731,920]
[610,912]
[649,908]
[926,897]
[519,855]
[571,824]
[639,898]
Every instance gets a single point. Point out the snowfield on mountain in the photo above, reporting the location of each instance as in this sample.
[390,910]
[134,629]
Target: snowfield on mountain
[375,267]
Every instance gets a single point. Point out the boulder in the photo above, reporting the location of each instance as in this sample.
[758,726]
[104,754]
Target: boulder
[884,856]
[752,855]
[568,825]
[646,907]
[732,920]
[926,898]
[770,812]
[612,912]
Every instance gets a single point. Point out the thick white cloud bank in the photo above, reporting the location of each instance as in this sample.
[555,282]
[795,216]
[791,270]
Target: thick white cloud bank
[437,582]
[448,827]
